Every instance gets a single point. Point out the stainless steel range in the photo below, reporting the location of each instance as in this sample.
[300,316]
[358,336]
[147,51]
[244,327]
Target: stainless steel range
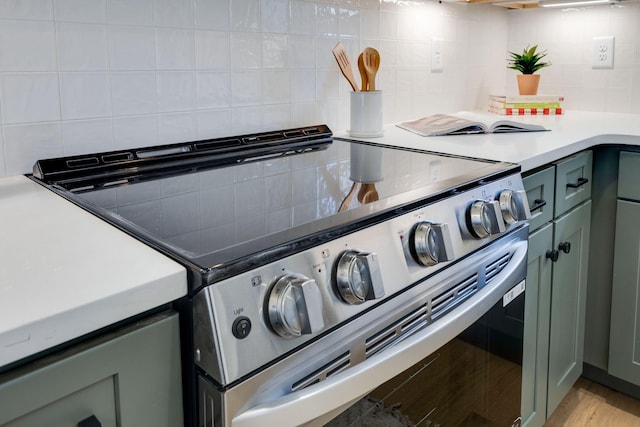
[322,269]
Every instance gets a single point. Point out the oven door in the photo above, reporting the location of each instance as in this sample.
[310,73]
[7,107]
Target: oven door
[462,369]
[473,380]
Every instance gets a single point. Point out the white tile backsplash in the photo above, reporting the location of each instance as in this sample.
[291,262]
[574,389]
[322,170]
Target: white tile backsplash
[302,18]
[245,15]
[212,50]
[246,88]
[127,12]
[275,87]
[94,11]
[213,123]
[275,16]
[135,131]
[27,46]
[29,97]
[174,49]
[27,9]
[85,95]
[133,93]
[82,47]
[213,89]
[212,14]
[173,13]
[275,51]
[177,127]
[24,143]
[113,74]
[246,120]
[87,136]
[176,90]
[131,48]
[246,50]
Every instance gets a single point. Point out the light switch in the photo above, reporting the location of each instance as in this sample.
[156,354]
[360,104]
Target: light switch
[436,55]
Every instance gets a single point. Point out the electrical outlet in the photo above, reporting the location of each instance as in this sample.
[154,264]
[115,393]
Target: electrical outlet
[602,52]
[436,55]
[434,170]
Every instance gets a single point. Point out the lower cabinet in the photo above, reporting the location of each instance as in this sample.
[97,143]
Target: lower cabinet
[556,285]
[624,337]
[129,377]
[535,363]
[568,302]
[554,312]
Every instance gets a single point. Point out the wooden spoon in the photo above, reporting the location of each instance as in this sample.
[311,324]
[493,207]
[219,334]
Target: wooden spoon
[371,59]
[367,193]
[347,200]
[363,74]
[345,66]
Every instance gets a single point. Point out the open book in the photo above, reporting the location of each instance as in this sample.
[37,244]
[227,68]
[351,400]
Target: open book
[465,122]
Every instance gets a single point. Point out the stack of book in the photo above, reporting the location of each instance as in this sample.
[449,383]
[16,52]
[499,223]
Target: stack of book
[521,105]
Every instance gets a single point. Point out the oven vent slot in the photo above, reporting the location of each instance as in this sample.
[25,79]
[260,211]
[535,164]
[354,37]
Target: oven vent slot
[337,365]
[396,330]
[496,267]
[454,296]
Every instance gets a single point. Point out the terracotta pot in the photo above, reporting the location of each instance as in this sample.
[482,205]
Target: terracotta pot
[528,84]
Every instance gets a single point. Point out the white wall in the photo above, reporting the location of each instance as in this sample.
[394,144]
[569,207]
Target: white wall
[567,35]
[82,76]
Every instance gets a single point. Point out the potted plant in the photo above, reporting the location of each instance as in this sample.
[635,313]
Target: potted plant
[528,62]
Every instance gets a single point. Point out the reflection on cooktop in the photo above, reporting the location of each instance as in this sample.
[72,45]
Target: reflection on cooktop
[208,211]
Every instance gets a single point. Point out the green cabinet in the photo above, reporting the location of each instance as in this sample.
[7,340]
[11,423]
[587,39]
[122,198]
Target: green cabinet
[128,377]
[535,359]
[624,337]
[559,196]
[568,302]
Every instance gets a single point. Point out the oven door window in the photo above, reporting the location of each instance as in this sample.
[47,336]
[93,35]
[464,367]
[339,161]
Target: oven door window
[474,380]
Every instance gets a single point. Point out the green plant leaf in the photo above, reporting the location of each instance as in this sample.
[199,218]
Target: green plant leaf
[527,62]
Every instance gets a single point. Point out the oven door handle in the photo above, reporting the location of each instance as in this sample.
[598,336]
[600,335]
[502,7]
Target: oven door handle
[312,404]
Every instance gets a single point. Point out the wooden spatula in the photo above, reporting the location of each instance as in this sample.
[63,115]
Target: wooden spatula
[363,74]
[345,66]
[371,60]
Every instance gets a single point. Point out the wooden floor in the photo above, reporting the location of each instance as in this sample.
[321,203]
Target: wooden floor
[589,404]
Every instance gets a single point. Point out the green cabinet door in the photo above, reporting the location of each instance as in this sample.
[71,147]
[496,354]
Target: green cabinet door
[128,377]
[568,302]
[536,328]
[624,336]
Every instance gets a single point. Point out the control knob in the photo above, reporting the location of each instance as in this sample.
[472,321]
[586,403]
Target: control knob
[294,306]
[430,243]
[357,276]
[484,218]
[514,206]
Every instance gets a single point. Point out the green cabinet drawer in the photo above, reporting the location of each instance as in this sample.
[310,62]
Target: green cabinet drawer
[573,181]
[629,176]
[540,195]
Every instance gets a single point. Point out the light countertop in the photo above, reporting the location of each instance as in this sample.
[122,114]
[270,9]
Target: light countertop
[569,133]
[65,273]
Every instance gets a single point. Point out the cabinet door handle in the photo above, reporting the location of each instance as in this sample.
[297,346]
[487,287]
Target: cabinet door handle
[537,204]
[579,183]
[552,254]
[565,247]
[91,421]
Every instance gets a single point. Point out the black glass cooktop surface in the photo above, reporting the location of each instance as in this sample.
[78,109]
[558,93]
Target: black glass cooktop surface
[213,219]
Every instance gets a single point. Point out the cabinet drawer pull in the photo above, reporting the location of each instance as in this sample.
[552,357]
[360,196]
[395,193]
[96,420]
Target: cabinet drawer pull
[91,421]
[537,204]
[552,254]
[581,181]
[565,247]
